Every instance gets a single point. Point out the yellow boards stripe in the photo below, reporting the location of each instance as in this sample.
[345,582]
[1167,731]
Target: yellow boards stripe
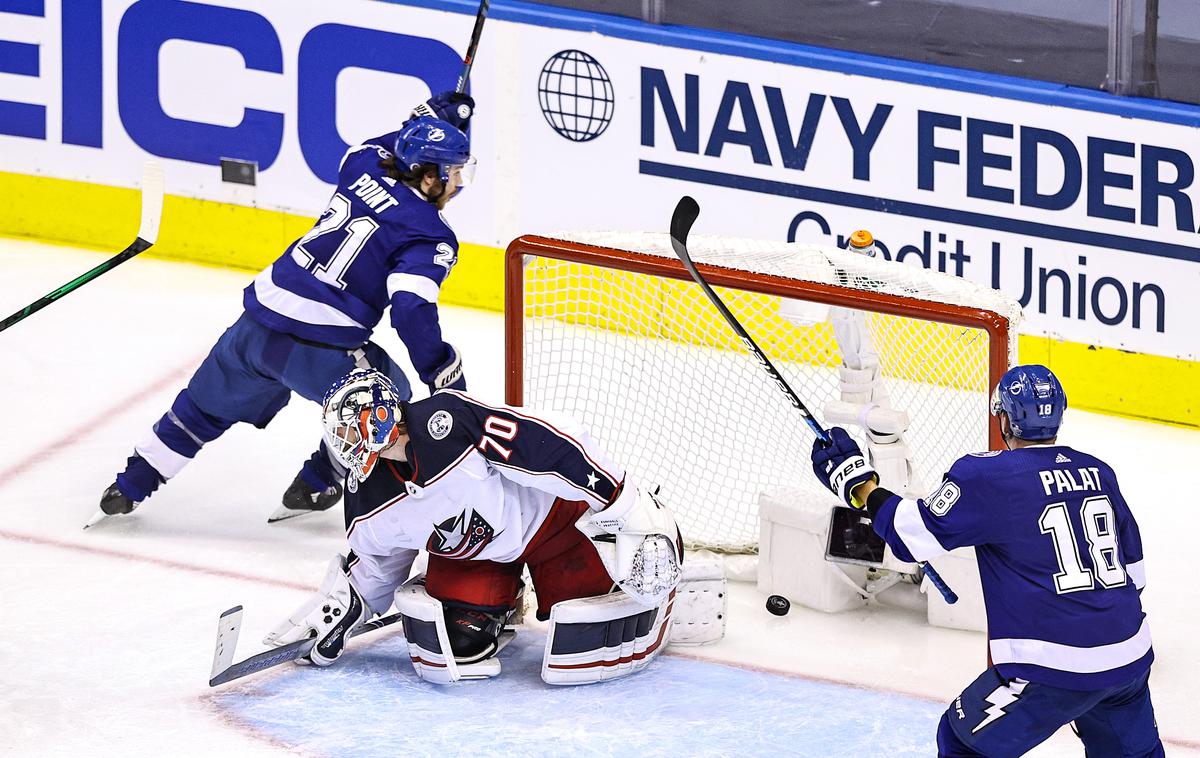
[222,234]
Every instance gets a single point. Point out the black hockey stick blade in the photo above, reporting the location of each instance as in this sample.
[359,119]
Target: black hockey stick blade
[687,210]
[152,203]
[228,626]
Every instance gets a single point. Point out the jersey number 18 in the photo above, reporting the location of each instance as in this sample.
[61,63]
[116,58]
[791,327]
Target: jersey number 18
[1100,531]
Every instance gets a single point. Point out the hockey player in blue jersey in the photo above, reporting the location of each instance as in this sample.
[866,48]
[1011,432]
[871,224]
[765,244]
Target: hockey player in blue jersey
[309,316]
[1060,561]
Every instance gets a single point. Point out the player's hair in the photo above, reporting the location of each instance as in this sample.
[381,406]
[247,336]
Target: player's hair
[411,177]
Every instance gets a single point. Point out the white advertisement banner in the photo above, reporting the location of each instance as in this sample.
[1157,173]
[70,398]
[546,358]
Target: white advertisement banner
[1089,217]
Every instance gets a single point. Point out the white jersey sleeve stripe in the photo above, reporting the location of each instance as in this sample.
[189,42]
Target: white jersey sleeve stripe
[910,527]
[1079,660]
[352,151]
[1137,572]
[164,460]
[296,307]
[421,286]
[532,478]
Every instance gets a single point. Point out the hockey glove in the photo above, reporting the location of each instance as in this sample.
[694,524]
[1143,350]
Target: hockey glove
[455,107]
[449,375]
[841,466]
[639,544]
[329,615]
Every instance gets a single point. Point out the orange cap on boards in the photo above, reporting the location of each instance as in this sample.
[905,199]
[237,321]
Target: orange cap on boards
[861,238]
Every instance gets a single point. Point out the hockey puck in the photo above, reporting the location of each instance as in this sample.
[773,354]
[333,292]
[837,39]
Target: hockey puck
[778,605]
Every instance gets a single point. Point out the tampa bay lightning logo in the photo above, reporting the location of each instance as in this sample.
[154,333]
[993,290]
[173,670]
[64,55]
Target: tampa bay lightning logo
[461,537]
[1016,387]
[436,134]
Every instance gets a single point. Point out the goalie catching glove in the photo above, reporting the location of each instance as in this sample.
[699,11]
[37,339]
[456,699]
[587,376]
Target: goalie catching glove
[841,466]
[329,615]
[639,543]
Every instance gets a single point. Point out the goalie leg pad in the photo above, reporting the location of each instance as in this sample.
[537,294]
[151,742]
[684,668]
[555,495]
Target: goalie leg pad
[701,603]
[429,641]
[596,639]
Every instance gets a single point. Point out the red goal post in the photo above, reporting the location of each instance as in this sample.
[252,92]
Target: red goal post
[583,315]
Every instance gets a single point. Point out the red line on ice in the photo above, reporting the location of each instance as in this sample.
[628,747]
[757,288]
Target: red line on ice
[96,421]
[164,562]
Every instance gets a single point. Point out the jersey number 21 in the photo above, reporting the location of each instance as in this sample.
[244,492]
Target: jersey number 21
[358,231]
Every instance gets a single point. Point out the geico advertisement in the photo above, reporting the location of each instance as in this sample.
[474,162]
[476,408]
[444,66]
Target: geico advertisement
[288,84]
[1088,218]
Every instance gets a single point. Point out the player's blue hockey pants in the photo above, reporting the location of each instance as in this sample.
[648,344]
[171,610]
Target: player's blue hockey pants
[249,376]
[996,717]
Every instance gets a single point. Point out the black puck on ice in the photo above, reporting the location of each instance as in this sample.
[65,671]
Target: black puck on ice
[778,605]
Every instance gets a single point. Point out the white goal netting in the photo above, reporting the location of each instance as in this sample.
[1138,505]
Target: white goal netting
[647,363]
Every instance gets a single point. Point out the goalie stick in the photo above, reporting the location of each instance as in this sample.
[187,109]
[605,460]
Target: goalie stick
[152,203]
[229,625]
[685,215]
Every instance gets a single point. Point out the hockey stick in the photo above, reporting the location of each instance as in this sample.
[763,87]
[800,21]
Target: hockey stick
[229,625]
[152,203]
[685,215]
[469,58]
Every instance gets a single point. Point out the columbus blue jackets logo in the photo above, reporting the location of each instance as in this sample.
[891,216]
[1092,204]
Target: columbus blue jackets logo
[440,425]
[461,537]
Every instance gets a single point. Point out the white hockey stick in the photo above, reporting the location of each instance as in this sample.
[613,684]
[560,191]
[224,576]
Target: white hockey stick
[229,626]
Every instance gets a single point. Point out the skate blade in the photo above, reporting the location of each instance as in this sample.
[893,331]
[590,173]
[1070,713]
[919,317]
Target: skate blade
[283,513]
[95,519]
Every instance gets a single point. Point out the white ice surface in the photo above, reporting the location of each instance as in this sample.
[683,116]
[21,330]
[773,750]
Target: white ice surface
[107,635]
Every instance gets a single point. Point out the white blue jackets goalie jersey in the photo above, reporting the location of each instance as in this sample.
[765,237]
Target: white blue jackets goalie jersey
[1060,560]
[478,484]
[378,243]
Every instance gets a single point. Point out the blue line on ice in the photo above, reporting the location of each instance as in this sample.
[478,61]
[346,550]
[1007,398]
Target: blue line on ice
[371,703]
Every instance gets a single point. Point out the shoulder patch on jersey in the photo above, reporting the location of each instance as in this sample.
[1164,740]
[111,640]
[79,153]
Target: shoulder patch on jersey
[940,502]
[440,424]
[986,454]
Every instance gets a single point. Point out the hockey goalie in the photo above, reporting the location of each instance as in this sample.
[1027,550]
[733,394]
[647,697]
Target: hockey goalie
[488,491]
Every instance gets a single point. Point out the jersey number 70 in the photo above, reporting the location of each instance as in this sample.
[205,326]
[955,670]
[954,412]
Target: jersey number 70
[358,231]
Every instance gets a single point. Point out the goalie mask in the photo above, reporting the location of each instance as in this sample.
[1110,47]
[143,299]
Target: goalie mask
[362,417]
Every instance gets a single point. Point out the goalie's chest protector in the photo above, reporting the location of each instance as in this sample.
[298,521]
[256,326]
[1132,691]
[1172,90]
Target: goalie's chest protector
[446,499]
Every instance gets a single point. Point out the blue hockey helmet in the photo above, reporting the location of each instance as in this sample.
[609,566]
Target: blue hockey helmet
[1033,399]
[427,139]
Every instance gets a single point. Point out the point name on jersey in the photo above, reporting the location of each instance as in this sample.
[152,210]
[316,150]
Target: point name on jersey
[1064,480]
[377,198]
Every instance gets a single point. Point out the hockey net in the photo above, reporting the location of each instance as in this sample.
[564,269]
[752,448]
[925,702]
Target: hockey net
[610,328]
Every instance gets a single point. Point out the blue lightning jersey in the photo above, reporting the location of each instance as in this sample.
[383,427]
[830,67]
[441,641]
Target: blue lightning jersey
[378,243]
[1060,561]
